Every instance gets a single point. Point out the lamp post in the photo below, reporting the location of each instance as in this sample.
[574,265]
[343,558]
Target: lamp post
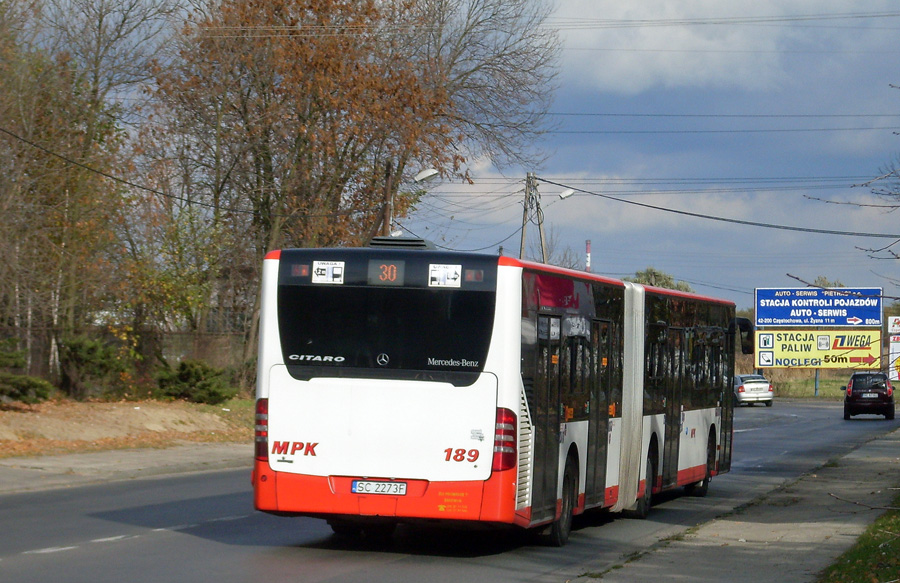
[387,219]
[388,211]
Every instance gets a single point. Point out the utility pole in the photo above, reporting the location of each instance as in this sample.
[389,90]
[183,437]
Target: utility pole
[388,209]
[587,254]
[532,202]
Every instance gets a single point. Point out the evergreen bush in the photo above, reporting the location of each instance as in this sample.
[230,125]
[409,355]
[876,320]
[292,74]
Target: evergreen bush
[17,387]
[195,381]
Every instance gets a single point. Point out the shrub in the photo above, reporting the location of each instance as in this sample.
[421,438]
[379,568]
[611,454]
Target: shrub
[9,356]
[195,381]
[17,387]
[24,388]
[90,368]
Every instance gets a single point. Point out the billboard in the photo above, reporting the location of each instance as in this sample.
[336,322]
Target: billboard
[857,349]
[812,306]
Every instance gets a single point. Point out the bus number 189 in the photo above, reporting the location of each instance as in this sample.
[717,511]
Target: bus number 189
[460,455]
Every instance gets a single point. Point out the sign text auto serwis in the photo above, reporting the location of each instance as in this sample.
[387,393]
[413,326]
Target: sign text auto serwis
[818,307]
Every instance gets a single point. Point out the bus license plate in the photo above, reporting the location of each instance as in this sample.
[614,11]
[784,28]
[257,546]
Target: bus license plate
[388,488]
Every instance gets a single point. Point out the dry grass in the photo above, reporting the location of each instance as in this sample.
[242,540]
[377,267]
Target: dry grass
[60,427]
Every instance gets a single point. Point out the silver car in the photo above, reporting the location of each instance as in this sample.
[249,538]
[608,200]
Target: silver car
[753,388]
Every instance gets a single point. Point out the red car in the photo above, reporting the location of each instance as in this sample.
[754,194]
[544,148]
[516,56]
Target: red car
[869,392]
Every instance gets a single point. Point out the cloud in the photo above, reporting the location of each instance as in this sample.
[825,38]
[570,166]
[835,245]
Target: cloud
[700,43]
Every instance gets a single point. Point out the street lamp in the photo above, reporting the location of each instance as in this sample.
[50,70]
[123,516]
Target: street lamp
[388,218]
[425,175]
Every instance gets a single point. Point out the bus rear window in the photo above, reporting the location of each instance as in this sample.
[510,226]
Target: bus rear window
[388,332]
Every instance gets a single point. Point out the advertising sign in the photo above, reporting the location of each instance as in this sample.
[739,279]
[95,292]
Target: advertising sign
[894,365]
[859,349]
[812,306]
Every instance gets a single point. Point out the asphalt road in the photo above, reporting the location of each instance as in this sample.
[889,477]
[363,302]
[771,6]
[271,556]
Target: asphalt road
[201,527]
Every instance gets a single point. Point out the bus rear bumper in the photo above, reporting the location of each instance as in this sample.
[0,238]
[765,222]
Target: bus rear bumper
[283,493]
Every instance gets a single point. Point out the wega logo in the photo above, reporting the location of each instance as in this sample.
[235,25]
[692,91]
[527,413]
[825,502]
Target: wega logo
[853,342]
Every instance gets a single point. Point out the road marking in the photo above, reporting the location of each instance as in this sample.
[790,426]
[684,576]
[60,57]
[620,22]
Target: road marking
[176,527]
[229,518]
[115,538]
[49,550]
[121,537]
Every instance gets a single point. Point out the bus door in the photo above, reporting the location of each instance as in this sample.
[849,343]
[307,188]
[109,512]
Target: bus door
[546,419]
[674,401]
[726,405]
[600,384]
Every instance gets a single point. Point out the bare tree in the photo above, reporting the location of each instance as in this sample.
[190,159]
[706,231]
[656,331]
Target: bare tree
[113,43]
[62,61]
[497,61]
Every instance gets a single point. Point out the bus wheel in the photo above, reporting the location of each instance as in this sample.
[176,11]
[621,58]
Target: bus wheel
[379,533]
[642,510]
[562,526]
[701,488]
[345,528]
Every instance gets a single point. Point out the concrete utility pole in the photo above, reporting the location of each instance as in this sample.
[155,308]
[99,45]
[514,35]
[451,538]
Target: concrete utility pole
[532,202]
[388,210]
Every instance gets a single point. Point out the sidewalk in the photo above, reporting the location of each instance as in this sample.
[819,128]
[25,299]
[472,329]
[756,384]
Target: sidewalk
[789,535]
[24,474]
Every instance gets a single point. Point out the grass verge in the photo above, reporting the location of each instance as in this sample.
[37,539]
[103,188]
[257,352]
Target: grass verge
[875,557]
[829,389]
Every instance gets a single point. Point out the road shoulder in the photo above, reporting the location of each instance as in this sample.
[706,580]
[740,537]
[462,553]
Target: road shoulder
[790,534]
[25,474]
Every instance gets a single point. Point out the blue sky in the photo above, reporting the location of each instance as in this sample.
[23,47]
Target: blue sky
[745,111]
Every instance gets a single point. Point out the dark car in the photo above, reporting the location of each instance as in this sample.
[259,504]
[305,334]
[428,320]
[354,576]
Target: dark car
[869,392]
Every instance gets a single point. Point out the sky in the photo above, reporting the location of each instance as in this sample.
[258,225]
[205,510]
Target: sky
[771,112]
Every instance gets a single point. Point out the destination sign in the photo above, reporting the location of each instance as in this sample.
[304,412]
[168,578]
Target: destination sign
[811,306]
[859,349]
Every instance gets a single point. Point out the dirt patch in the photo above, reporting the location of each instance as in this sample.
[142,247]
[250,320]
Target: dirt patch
[66,426]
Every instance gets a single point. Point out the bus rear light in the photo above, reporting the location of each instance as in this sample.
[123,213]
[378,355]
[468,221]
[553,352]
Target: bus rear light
[261,431]
[505,451]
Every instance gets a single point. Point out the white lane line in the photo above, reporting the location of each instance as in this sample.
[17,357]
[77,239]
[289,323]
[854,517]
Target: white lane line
[49,550]
[229,518]
[174,528]
[110,539]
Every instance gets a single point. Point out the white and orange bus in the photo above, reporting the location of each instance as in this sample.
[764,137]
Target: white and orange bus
[405,384]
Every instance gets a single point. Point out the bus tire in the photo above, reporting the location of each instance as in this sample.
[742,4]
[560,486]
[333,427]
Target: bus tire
[642,510]
[701,489]
[345,528]
[379,534]
[562,526]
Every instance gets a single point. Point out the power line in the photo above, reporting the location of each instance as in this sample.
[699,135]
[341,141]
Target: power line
[726,219]
[161,193]
[735,131]
[594,24]
[724,115]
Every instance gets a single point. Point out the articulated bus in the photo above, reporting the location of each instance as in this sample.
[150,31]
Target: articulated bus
[410,384]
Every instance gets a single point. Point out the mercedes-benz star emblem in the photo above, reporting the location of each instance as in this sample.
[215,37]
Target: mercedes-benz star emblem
[382,359]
